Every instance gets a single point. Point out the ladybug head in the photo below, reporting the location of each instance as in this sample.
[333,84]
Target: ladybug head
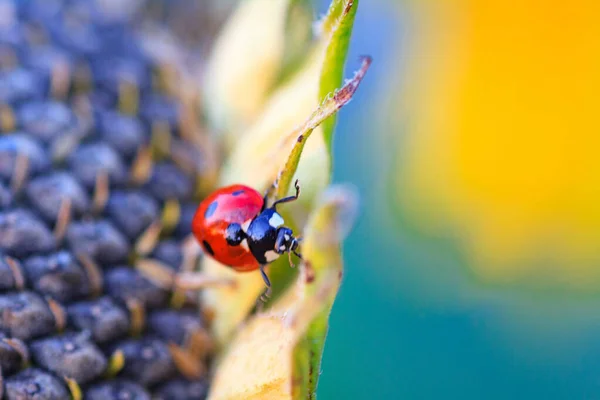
[286,241]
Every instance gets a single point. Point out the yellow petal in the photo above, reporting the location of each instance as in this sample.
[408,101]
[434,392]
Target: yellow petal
[261,151]
[504,136]
[245,63]
[253,161]
[259,362]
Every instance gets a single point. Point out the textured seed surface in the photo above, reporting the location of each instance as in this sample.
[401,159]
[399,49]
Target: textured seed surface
[71,355]
[182,389]
[123,133]
[169,182]
[147,361]
[98,239]
[102,317]
[35,384]
[45,58]
[7,278]
[124,283]
[6,196]
[79,98]
[89,160]
[184,225]
[19,85]
[46,120]
[174,326]
[118,390]
[169,252]
[22,233]
[46,193]
[161,108]
[14,144]
[10,358]
[25,315]
[132,211]
[57,275]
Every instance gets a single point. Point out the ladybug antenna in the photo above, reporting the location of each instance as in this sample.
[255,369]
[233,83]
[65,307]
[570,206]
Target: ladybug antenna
[290,259]
[267,294]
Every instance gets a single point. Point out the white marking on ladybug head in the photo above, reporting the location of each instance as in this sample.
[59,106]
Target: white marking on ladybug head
[276,220]
[245,225]
[287,237]
[244,244]
[271,256]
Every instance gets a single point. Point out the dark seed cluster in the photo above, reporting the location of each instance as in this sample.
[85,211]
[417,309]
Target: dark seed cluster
[98,175]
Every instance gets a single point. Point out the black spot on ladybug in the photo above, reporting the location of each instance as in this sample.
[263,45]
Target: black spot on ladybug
[211,209]
[209,249]
[234,234]
[237,192]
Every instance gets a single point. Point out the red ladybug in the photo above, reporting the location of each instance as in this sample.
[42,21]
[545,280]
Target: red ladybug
[235,226]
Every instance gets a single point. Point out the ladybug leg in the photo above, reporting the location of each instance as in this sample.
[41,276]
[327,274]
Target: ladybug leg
[268,193]
[264,275]
[290,259]
[265,200]
[290,198]
[299,239]
[265,296]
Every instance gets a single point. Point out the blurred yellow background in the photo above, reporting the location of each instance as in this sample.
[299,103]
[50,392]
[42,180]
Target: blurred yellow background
[474,267]
[504,136]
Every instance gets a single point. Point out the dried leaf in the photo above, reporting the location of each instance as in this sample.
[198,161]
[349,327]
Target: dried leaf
[59,314]
[146,242]
[185,363]
[156,272]
[62,220]
[20,347]
[115,364]
[137,314]
[93,272]
[17,272]
[74,388]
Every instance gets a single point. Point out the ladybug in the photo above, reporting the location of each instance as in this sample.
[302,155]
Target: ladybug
[235,227]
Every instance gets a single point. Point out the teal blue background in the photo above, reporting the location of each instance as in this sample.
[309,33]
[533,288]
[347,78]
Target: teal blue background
[410,321]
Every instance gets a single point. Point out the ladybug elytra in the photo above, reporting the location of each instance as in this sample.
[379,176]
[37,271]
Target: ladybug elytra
[235,227]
